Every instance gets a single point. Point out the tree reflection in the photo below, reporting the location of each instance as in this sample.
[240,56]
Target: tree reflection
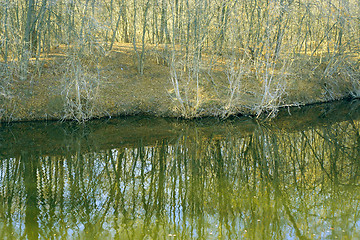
[270,184]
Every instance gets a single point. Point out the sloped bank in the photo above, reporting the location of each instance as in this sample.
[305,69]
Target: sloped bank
[67,88]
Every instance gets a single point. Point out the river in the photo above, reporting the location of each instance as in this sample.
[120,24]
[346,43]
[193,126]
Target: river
[293,177]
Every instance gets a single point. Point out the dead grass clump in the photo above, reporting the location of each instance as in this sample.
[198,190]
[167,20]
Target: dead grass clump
[233,85]
[185,93]
[80,91]
[236,73]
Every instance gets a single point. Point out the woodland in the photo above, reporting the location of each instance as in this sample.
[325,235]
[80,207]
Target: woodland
[84,59]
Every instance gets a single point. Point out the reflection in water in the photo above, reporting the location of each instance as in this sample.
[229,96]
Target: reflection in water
[268,182]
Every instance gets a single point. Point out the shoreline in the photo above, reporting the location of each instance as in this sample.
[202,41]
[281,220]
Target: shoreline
[128,130]
[287,108]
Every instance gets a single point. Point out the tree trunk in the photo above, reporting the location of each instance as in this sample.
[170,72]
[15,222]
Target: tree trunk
[27,38]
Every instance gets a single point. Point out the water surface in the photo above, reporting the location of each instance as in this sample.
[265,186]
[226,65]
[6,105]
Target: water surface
[295,177]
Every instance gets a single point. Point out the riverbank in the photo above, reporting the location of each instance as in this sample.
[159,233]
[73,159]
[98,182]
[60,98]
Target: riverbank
[62,86]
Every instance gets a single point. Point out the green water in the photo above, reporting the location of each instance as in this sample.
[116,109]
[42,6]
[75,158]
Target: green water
[295,177]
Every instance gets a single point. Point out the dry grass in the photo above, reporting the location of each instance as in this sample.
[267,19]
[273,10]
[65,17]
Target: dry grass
[65,87]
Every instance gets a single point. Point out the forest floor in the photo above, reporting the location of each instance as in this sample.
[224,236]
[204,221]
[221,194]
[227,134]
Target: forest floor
[112,86]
